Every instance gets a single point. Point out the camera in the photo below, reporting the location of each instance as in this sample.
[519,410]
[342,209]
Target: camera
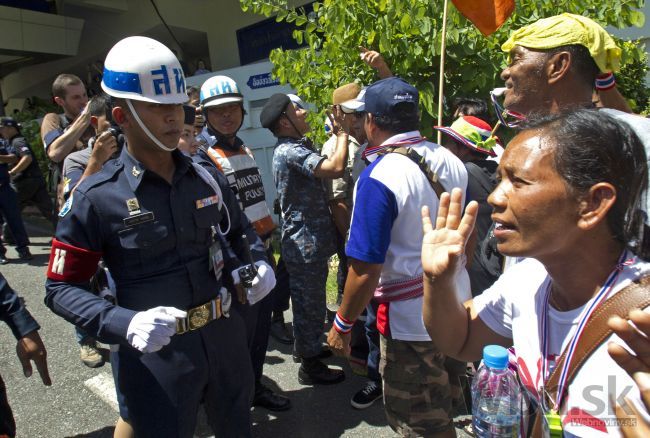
[119,136]
[116,132]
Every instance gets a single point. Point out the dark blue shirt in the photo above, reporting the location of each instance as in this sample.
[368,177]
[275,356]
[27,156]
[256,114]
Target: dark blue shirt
[4,167]
[13,311]
[163,261]
[19,147]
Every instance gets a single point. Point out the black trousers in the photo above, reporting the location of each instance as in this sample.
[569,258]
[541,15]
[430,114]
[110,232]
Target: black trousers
[7,424]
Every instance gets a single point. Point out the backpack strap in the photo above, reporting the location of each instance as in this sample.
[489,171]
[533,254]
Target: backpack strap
[596,331]
[419,160]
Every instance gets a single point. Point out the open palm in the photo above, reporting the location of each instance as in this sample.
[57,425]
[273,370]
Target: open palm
[444,246]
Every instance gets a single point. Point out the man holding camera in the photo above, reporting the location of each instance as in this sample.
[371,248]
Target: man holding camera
[104,145]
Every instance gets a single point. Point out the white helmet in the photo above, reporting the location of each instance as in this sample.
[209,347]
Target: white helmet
[142,68]
[219,90]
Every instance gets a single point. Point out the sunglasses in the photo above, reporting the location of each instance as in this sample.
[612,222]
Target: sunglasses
[508,118]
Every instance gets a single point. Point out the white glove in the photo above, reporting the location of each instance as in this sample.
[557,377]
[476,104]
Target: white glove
[263,283]
[152,329]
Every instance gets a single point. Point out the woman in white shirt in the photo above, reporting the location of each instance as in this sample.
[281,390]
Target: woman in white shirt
[569,200]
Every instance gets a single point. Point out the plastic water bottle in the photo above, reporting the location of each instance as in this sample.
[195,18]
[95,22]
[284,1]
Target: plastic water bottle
[496,396]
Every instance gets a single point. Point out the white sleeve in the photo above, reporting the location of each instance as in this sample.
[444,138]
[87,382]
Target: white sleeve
[496,306]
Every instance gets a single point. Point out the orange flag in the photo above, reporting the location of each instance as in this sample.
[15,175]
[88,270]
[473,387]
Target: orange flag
[487,15]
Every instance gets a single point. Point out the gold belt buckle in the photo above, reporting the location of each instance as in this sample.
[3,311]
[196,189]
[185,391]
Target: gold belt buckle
[199,316]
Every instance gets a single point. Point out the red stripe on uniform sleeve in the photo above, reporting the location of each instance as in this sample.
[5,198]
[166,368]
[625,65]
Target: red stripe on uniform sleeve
[71,264]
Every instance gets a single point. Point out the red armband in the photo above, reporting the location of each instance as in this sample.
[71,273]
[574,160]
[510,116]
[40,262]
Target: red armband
[71,264]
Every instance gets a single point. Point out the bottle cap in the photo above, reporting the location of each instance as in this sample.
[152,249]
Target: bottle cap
[495,356]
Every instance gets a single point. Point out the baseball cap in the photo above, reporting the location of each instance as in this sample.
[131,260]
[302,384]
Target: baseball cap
[383,96]
[9,121]
[357,104]
[472,132]
[273,109]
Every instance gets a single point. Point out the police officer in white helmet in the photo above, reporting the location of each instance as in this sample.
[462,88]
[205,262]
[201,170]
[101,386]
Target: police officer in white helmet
[223,108]
[166,229]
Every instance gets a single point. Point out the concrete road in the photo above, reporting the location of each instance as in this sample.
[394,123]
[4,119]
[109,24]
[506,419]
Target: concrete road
[81,401]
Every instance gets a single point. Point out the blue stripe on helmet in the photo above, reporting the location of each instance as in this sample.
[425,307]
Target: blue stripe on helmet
[122,81]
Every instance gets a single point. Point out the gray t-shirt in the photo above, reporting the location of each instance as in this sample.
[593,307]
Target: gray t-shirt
[74,166]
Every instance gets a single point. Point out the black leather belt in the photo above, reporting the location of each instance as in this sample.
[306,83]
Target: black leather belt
[199,316]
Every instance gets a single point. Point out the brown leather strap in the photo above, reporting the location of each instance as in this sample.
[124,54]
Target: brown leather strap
[633,296]
[419,160]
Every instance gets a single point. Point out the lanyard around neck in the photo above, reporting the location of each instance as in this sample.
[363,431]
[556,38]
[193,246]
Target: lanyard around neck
[602,295]
[406,142]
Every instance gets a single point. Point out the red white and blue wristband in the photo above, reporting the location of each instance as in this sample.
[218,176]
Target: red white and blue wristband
[342,325]
[605,81]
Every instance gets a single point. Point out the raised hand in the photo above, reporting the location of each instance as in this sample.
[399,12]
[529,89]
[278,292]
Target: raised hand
[375,60]
[444,246]
[336,119]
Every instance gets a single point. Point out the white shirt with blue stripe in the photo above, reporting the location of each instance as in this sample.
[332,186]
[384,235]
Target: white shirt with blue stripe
[386,223]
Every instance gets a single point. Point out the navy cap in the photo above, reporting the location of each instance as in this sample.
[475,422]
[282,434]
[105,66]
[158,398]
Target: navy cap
[382,96]
[190,114]
[9,121]
[273,109]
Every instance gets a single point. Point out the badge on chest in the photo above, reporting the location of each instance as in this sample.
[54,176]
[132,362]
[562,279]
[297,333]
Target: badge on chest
[136,217]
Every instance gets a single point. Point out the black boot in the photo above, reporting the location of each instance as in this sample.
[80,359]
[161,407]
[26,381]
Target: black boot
[279,330]
[266,398]
[324,354]
[314,372]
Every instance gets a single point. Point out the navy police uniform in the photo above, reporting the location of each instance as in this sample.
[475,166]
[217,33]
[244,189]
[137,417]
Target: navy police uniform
[21,323]
[158,241]
[9,204]
[257,317]
[30,183]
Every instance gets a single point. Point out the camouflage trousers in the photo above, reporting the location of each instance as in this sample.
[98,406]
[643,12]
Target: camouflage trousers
[417,395]
[307,284]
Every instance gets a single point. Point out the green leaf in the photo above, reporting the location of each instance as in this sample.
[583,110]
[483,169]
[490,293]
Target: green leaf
[637,18]
[371,37]
[301,20]
[405,23]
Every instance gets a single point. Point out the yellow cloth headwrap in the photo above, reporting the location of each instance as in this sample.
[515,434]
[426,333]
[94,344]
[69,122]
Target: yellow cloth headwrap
[565,29]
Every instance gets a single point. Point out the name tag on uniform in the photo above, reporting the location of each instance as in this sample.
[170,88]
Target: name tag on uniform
[200,203]
[216,260]
[138,219]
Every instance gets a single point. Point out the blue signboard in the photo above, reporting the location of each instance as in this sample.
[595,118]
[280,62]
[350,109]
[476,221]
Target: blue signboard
[261,81]
[257,40]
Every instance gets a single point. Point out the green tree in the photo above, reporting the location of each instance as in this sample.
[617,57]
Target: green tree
[408,34]
[30,119]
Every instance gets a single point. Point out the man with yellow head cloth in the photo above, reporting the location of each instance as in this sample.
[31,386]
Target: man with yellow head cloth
[553,66]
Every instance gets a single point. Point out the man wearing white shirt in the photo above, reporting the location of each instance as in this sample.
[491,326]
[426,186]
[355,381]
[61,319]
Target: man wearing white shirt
[384,254]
